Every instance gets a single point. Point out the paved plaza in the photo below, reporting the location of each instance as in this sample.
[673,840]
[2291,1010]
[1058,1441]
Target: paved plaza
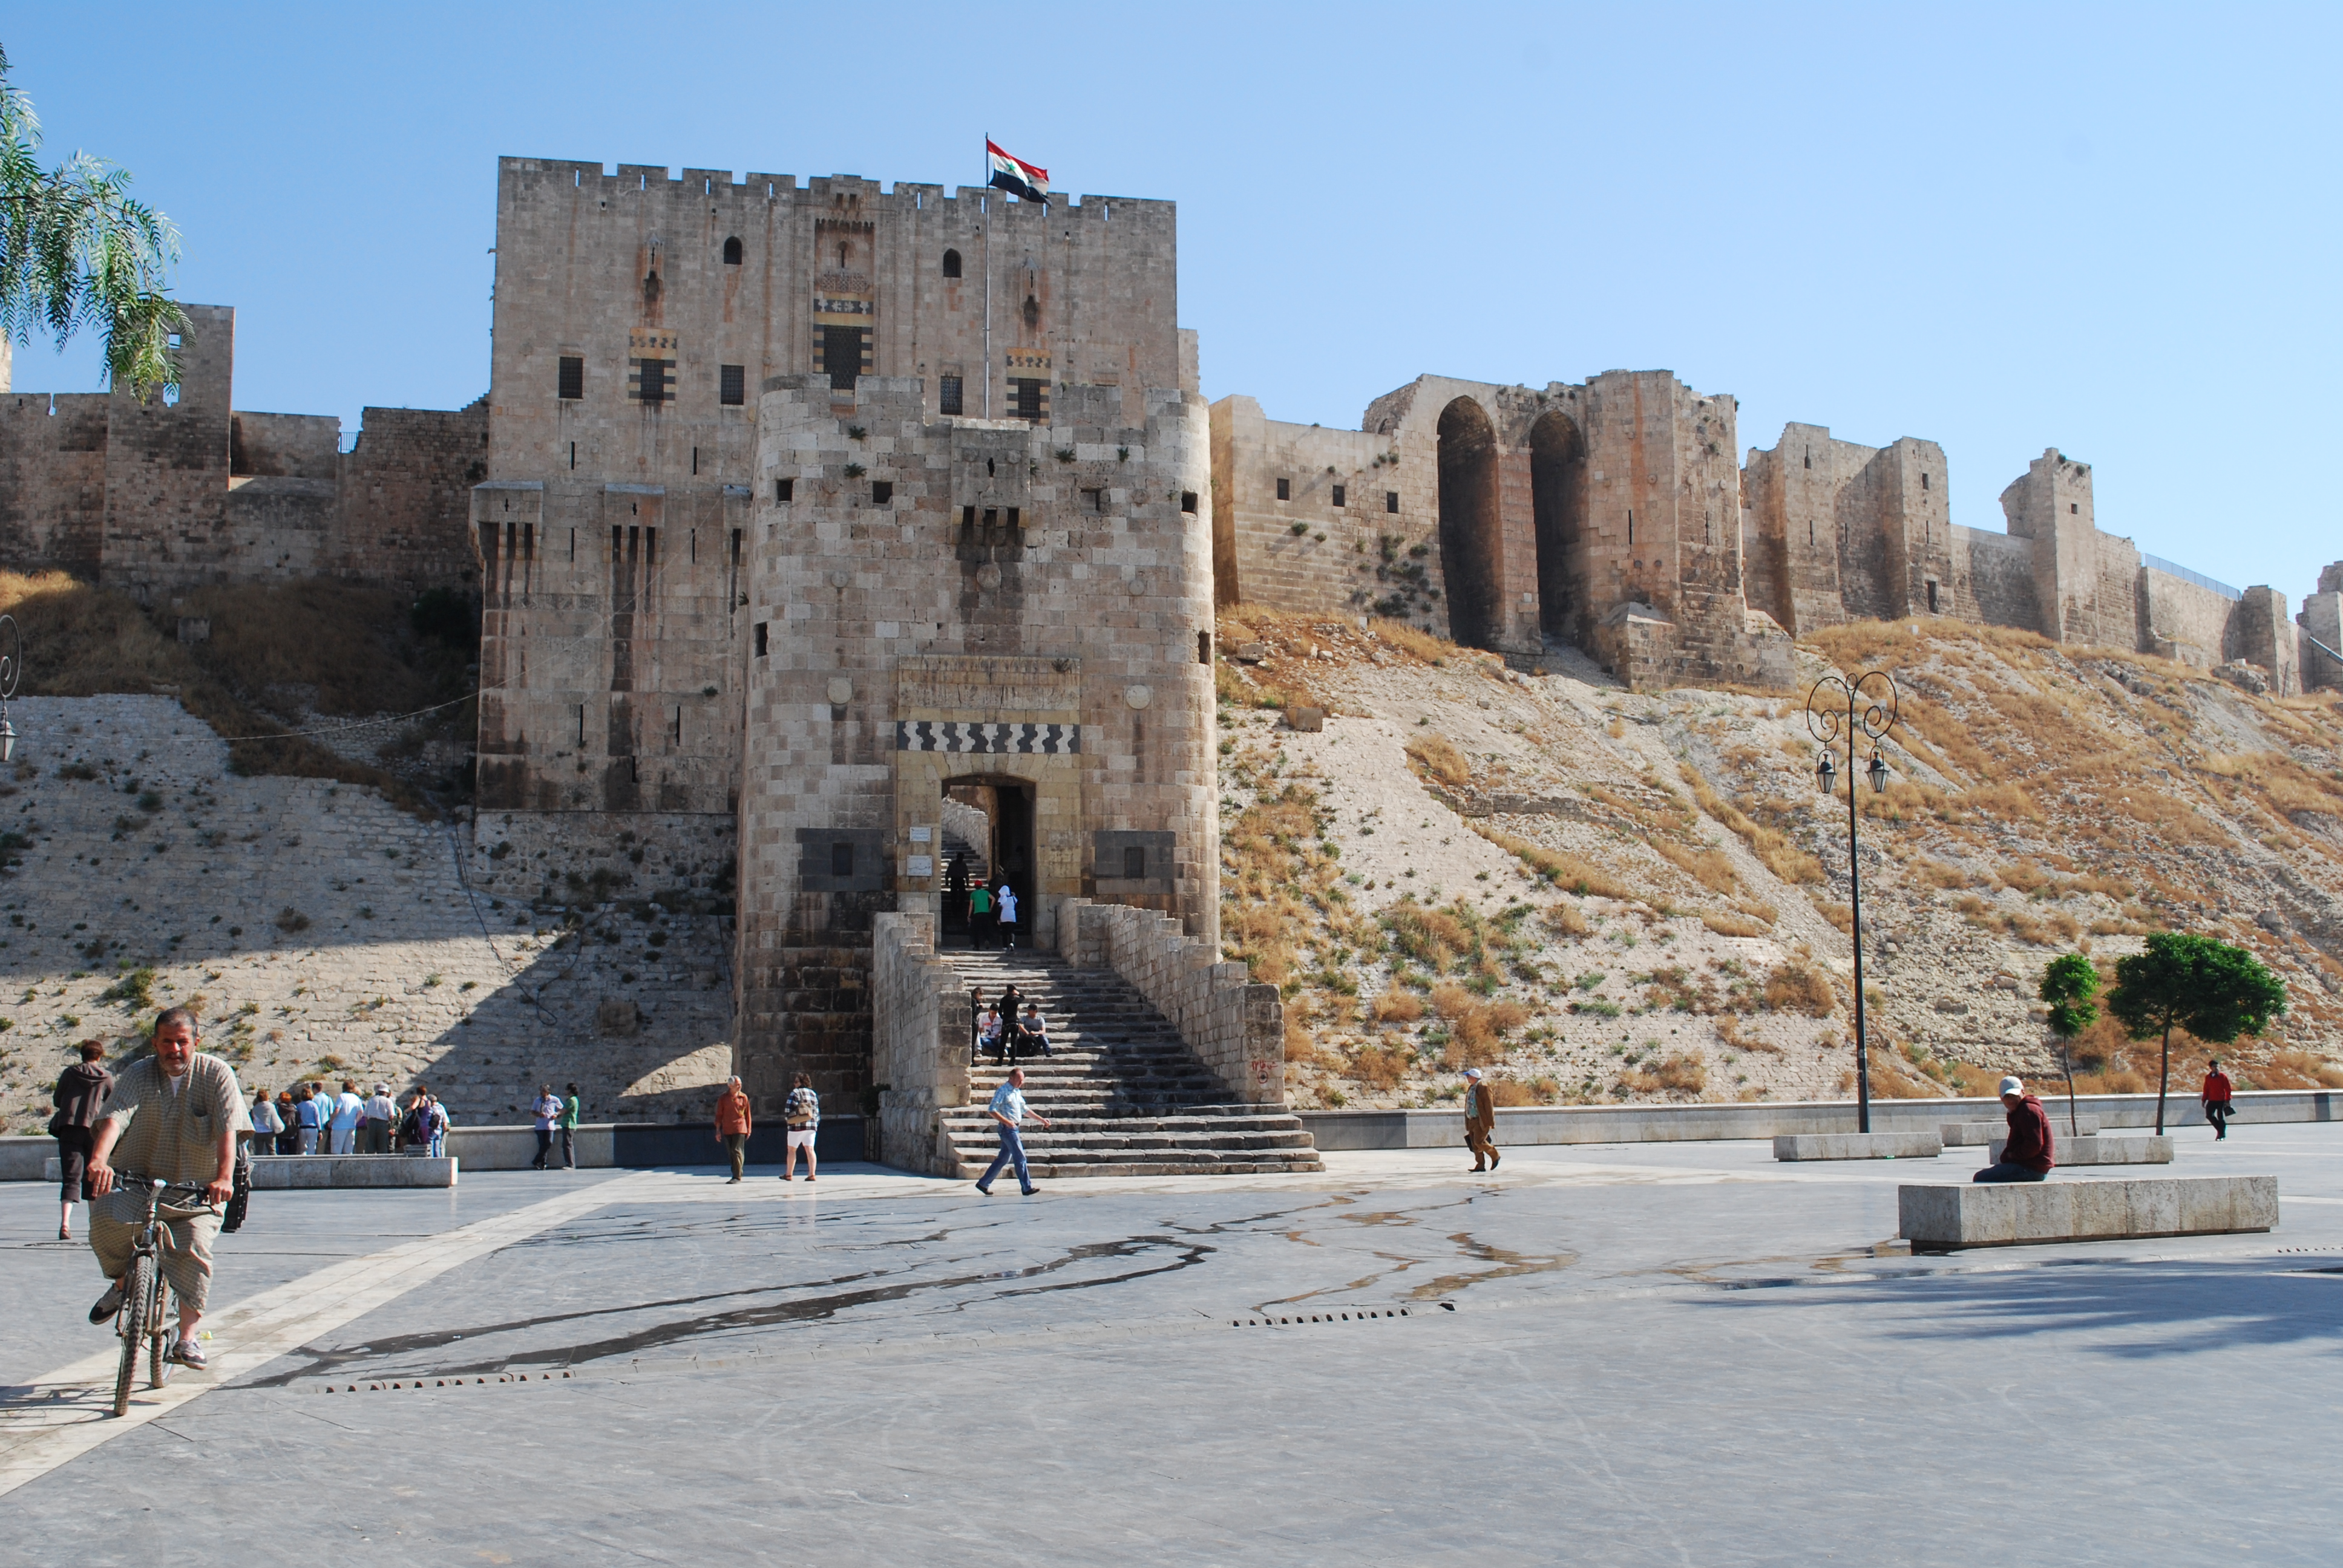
[1657,1354]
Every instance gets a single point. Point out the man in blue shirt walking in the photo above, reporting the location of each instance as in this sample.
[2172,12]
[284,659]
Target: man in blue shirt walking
[1008,1109]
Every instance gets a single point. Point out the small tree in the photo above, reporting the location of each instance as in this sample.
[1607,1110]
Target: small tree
[76,251]
[2208,988]
[2068,984]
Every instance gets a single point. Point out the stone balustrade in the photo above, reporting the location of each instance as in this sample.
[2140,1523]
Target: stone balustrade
[1235,1026]
[920,1019]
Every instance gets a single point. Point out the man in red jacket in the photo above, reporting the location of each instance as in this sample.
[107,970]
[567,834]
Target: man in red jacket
[2026,1157]
[2217,1101]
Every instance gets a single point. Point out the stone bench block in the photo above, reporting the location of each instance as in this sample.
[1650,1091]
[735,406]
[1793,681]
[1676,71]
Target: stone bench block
[2101,1151]
[1959,1134]
[1857,1146]
[2108,1208]
[282,1173]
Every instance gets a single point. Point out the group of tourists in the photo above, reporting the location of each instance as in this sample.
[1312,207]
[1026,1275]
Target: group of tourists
[310,1119]
[556,1114]
[991,906]
[1003,1034]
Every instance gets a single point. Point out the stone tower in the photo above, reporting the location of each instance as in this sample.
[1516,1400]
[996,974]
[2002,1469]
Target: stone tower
[1003,615]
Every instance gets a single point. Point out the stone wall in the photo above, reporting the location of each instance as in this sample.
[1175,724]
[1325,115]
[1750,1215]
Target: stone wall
[2322,619]
[2183,620]
[156,495]
[1348,534]
[1235,1026]
[919,1047]
[1841,531]
[2260,634]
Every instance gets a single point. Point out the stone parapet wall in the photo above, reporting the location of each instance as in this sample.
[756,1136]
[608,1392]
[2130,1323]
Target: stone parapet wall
[1235,1026]
[2182,620]
[919,1033]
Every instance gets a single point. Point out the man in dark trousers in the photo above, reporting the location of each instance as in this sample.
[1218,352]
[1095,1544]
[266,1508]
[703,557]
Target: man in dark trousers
[2026,1157]
[1479,1120]
[2217,1100]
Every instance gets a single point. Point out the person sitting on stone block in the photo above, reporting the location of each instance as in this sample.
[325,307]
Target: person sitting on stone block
[2026,1156]
[988,1036]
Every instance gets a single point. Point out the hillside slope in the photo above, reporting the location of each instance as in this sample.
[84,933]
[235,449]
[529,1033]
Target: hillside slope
[1601,896]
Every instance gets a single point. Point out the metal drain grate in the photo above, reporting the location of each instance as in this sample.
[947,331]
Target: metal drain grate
[1302,1318]
[410,1384]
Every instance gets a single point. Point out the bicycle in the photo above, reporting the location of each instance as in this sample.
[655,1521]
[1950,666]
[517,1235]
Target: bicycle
[147,1301]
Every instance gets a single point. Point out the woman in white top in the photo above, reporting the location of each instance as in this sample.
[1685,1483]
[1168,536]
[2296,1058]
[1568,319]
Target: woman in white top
[266,1123]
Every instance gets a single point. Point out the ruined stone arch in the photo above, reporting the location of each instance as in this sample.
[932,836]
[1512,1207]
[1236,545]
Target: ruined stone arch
[1558,508]
[1470,526]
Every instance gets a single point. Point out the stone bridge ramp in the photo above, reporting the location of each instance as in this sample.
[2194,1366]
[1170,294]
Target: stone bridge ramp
[1123,1092]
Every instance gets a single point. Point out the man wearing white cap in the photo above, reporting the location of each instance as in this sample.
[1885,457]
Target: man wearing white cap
[1479,1120]
[2026,1156]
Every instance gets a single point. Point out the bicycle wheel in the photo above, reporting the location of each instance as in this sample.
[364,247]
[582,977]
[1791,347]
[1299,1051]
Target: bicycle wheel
[137,1286]
[159,1329]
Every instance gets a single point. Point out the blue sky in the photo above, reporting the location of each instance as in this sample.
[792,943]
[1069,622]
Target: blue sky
[2110,229]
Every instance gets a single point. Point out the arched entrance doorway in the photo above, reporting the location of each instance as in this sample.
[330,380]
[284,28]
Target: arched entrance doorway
[1469,525]
[988,840]
[1558,506]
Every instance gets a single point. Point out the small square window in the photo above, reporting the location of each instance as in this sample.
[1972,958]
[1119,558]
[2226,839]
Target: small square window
[1015,519]
[1285,489]
[760,640]
[1187,500]
[1391,501]
[573,377]
[882,492]
[841,858]
[783,489]
[731,384]
[2073,506]
[1338,495]
[948,393]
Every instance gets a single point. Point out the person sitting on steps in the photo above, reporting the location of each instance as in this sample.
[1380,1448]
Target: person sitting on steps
[1035,1031]
[2026,1157]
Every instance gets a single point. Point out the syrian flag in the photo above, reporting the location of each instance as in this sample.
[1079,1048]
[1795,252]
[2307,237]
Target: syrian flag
[1025,181]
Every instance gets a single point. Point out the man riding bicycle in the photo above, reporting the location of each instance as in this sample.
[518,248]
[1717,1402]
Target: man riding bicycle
[173,1117]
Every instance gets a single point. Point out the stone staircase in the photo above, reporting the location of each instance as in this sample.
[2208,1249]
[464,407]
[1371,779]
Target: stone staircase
[1125,1095]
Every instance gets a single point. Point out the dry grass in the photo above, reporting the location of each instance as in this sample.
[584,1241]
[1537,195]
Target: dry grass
[1398,1006]
[1770,845]
[1507,1091]
[1711,869]
[1799,987]
[1413,640]
[1436,759]
[1381,1068]
[1736,925]
[1564,871]
[1678,1073]
[1566,920]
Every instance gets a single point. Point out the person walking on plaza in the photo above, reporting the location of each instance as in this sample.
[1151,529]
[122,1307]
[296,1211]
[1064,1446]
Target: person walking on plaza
[268,1127]
[732,1125]
[802,1112]
[548,1109]
[1479,1120]
[570,1112]
[173,1117]
[2217,1100]
[2026,1156]
[1008,1109]
[79,1097]
[381,1110]
[980,916]
[1008,917]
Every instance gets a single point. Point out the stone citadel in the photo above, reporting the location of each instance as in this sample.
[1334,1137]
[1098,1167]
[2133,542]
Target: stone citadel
[813,523]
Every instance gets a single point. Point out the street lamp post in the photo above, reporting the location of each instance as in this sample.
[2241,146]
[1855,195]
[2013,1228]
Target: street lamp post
[1871,699]
[12,665]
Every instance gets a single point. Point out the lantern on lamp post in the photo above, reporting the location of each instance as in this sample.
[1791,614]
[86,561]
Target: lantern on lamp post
[12,665]
[1871,702]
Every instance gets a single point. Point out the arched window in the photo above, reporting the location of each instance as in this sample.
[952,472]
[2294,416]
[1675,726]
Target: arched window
[732,252]
[951,264]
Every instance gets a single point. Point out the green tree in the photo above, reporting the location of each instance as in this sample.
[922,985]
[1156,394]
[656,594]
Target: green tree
[77,253]
[2069,984]
[2208,988]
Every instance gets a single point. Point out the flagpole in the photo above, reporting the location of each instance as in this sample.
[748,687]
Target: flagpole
[987,200]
